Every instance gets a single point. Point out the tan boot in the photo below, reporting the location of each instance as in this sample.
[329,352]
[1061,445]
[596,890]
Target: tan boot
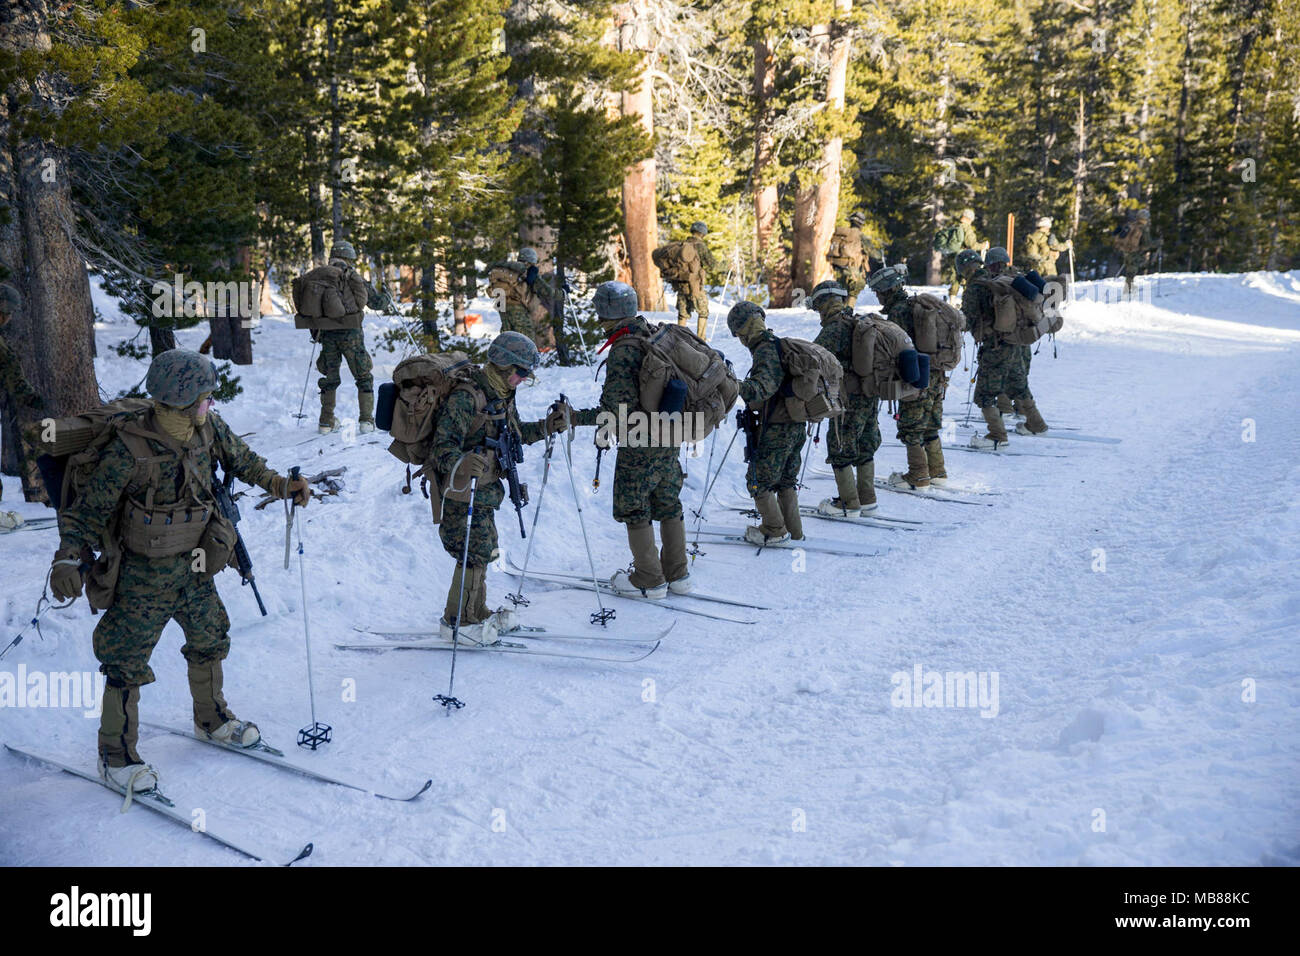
[1005,405]
[327,423]
[997,435]
[867,486]
[846,503]
[788,499]
[918,469]
[1033,423]
[771,530]
[934,458]
[672,556]
[647,568]
[366,406]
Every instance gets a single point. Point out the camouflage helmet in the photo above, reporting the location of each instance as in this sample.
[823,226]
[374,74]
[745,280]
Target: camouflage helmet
[1044,222]
[1144,213]
[858,218]
[529,255]
[614,300]
[178,377]
[826,288]
[884,279]
[967,258]
[343,250]
[699,228]
[741,313]
[967,213]
[513,348]
[995,255]
[11,300]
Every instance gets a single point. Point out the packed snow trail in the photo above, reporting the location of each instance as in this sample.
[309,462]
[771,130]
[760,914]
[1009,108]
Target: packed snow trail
[1136,602]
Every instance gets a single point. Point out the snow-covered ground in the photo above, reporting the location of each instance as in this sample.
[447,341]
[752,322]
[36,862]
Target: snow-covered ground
[1136,604]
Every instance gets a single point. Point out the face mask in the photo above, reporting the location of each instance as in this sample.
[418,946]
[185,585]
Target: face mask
[199,410]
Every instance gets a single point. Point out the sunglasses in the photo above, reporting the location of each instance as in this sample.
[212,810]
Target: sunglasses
[522,372]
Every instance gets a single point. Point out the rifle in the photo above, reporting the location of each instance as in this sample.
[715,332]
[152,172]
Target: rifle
[510,453]
[749,421]
[226,505]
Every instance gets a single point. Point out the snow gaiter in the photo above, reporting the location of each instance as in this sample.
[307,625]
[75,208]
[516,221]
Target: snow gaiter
[366,404]
[848,488]
[327,408]
[1033,417]
[997,431]
[867,484]
[934,458]
[788,499]
[773,522]
[648,571]
[210,710]
[119,725]
[672,554]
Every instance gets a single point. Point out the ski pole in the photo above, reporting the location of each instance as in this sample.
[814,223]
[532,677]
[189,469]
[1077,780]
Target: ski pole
[602,615]
[699,515]
[43,606]
[518,598]
[310,362]
[318,734]
[807,455]
[448,701]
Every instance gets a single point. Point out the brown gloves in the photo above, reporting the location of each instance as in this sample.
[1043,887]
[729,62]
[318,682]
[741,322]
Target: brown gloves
[474,465]
[557,419]
[65,574]
[282,487]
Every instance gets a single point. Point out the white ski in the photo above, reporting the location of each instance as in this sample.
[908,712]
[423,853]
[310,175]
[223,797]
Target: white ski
[1005,451]
[276,758]
[160,804]
[673,602]
[839,548]
[638,653]
[399,638]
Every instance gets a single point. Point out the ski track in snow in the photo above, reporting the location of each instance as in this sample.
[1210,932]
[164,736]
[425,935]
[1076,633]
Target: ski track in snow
[1120,691]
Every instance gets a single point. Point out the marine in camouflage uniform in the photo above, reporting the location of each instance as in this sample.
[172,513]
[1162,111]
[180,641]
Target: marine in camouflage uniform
[517,315]
[969,240]
[691,294]
[1001,366]
[920,418]
[154,585]
[774,440]
[1136,260]
[473,413]
[1042,249]
[852,276]
[647,480]
[346,345]
[13,384]
[851,442]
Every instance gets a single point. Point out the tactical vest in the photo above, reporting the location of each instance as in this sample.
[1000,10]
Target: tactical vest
[154,530]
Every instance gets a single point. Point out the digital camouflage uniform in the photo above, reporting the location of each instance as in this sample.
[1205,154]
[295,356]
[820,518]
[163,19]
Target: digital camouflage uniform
[1135,261]
[691,295]
[949,273]
[461,430]
[854,438]
[1001,366]
[348,344]
[1041,252]
[853,274]
[517,314]
[647,481]
[920,418]
[774,464]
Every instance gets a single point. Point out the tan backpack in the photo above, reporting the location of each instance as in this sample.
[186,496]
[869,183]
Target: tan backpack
[506,280]
[845,249]
[1016,319]
[327,298]
[877,344]
[673,352]
[678,261]
[1129,236]
[421,386]
[814,388]
[938,330]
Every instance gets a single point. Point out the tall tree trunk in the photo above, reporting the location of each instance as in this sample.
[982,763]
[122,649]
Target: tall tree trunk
[938,200]
[772,266]
[1080,163]
[817,206]
[51,333]
[336,140]
[640,219]
[1182,167]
